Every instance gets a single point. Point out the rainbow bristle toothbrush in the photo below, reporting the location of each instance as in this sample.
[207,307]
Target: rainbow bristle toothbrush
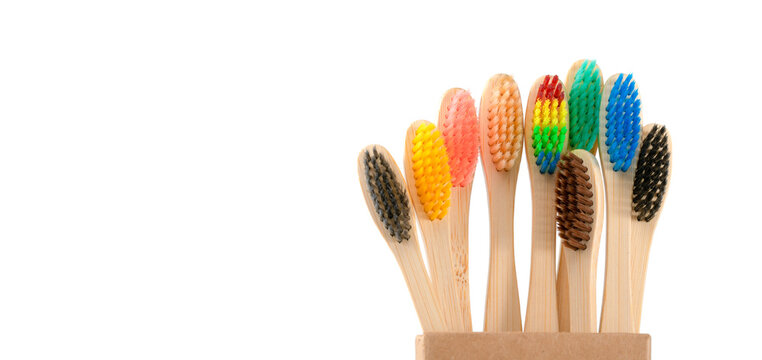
[584,85]
[501,129]
[546,124]
[619,133]
[384,190]
[649,190]
[579,204]
[460,130]
[428,173]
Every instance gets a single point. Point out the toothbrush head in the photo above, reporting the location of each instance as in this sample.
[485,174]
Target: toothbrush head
[586,86]
[574,202]
[622,122]
[501,108]
[651,174]
[460,130]
[549,124]
[431,172]
[385,192]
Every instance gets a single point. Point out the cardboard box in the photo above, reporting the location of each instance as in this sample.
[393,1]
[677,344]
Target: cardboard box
[532,346]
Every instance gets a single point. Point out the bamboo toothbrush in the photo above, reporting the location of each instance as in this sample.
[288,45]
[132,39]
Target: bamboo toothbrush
[460,130]
[384,190]
[584,85]
[428,172]
[545,123]
[620,128]
[649,189]
[580,218]
[501,127]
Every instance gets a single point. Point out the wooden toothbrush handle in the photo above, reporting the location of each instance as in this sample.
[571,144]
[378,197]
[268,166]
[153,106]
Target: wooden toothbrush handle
[438,249]
[616,311]
[562,292]
[542,308]
[642,236]
[426,303]
[581,286]
[459,205]
[503,308]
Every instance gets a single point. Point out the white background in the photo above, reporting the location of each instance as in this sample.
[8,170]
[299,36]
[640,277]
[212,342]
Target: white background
[178,180]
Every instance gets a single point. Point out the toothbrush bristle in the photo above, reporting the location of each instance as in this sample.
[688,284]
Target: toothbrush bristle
[460,130]
[549,121]
[388,195]
[431,171]
[622,123]
[584,106]
[574,202]
[651,174]
[504,123]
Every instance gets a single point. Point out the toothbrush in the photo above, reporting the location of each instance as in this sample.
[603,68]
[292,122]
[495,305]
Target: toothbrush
[545,123]
[384,190]
[501,127]
[580,219]
[460,130]
[428,174]
[584,85]
[649,189]
[620,128]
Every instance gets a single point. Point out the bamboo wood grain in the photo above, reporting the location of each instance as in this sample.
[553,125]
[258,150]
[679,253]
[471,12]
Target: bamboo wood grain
[562,286]
[562,292]
[642,237]
[408,255]
[459,203]
[436,237]
[460,200]
[502,308]
[616,311]
[582,264]
[542,306]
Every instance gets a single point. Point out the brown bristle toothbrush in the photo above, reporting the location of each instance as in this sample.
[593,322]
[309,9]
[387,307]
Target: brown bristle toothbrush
[501,129]
[649,189]
[584,84]
[546,125]
[460,130]
[579,207]
[619,136]
[428,178]
[384,189]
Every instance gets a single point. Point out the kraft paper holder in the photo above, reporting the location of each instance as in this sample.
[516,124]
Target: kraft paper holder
[532,346]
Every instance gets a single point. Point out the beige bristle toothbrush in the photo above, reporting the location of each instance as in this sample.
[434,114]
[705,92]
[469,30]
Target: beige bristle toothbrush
[501,129]
[584,84]
[546,125]
[428,178]
[460,130]
[579,207]
[619,136]
[384,189]
[649,190]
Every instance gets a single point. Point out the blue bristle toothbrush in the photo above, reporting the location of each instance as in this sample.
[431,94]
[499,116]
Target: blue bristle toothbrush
[619,136]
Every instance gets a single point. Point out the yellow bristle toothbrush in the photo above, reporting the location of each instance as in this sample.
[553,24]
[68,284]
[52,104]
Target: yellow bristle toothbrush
[649,190]
[428,176]
[502,138]
[546,125]
[385,194]
[579,205]
[619,134]
[460,130]
[584,84]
